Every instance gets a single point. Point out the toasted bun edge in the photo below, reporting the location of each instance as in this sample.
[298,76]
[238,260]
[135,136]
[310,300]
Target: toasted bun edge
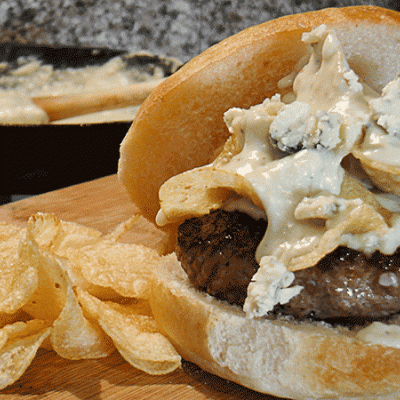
[296,360]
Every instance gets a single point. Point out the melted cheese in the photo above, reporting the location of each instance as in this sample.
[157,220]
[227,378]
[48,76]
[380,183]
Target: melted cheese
[380,146]
[329,113]
[326,86]
[15,109]
[382,141]
[34,79]
[386,108]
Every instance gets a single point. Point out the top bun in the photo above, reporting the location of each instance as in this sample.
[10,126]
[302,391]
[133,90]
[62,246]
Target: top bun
[180,124]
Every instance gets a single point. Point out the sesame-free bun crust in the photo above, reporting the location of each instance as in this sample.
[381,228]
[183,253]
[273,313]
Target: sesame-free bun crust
[180,124]
[300,361]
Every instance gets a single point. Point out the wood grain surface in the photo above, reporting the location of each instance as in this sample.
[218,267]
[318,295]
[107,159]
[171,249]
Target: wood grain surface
[102,204]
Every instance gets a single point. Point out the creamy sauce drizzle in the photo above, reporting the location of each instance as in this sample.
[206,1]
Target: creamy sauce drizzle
[21,110]
[33,79]
[328,114]
[380,146]
[326,84]
[326,87]
[382,141]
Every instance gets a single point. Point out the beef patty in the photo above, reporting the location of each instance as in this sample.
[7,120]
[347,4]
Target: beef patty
[217,251]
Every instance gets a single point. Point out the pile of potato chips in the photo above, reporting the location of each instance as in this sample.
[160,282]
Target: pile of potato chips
[71,289]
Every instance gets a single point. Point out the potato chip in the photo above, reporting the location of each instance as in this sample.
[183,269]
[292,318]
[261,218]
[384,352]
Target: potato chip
[9,230]
[45,229]
[19,348]
[195,193]
[59,237]
[55,235]
[73,261]
[136,336]
[68,240]
[124,268]
[77,236]
[40,269]
[122,228]
[386,176]
[22,329]
[75,337]
[357,217]
[7,319]
[48,299]
[353,189]
[18,280]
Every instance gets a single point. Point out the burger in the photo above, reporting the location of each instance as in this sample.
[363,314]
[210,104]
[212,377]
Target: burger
[270,160]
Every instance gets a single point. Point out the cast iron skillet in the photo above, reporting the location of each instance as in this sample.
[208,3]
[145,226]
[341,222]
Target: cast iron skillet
[43,158]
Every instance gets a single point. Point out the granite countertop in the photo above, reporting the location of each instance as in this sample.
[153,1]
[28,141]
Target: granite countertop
[178,28]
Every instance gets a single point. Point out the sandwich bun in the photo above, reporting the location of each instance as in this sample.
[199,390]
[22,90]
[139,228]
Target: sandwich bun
[179,127]
[289,359]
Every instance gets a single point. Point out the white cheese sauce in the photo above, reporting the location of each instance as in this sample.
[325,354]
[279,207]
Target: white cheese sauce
[328,116]
[380,146]
[326,85]
[382,141]
[20,110]
[33,79]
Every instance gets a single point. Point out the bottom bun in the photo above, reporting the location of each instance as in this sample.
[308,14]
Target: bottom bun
[289,359]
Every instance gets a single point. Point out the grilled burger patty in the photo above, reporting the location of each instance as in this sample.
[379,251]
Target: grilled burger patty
[217,252]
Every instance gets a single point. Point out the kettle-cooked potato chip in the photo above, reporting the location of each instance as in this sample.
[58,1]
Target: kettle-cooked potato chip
[357,217]
[197,192]
[18,280]
[9,230]
[7,319]
[122,228]
[48,299]
[124,268]
[75,337]
[44,267]
[22,340]
[55,235]
[386,176]
[136,336]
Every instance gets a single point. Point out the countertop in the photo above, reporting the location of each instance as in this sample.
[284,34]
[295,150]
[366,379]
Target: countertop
[178,28]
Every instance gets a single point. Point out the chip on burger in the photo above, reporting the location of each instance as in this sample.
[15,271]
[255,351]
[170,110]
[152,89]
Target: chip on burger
[271,160]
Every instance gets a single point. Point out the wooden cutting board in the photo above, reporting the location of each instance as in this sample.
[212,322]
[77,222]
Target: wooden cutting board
[102,204]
